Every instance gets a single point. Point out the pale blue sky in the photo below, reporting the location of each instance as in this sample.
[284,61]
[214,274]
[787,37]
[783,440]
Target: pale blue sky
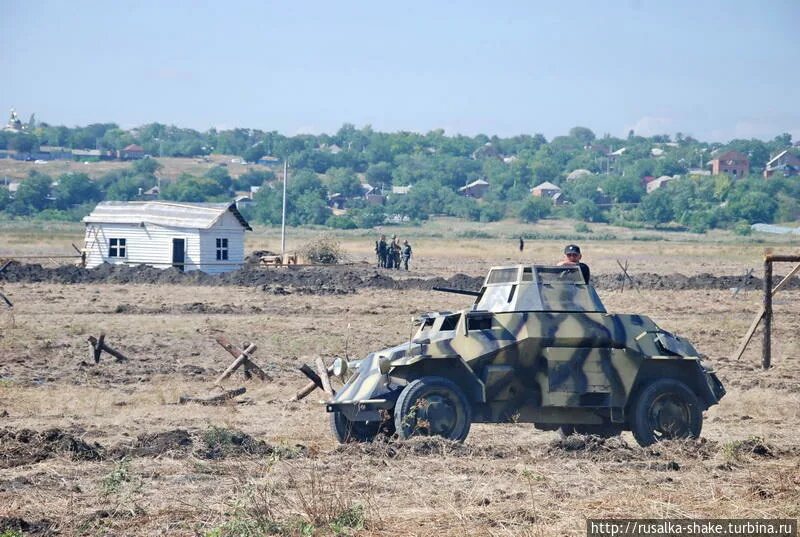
[713,69]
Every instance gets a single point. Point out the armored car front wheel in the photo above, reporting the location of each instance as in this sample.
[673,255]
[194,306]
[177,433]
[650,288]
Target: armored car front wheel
[346,431]
[433,406]
[666,409]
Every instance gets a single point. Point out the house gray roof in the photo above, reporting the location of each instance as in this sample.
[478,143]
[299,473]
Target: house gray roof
[477,182]
[547,185]
[163,213]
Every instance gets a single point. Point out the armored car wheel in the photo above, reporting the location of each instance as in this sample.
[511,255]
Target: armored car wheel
[346,431]
[433,406]
[666,409]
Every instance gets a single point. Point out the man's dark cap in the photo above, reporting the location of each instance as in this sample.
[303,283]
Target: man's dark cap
[572,249]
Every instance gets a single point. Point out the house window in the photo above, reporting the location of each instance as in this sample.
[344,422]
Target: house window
[222,249]
[117,248]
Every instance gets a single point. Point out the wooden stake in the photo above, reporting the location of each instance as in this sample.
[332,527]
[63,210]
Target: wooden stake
[236,363]
[311,386]
[323,374]
[99,346]
[766,349]
[249,365]
[760,315]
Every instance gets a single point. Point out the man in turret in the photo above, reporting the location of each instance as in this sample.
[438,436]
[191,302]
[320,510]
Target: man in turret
[572,256]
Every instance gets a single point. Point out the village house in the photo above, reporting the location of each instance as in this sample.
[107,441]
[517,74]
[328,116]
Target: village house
[190,236]
[784,164]
[655,184]
[546,190]
[132,152]
[475,189]
[731,162]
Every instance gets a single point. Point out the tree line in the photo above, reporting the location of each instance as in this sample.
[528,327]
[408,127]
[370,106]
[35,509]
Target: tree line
[435,166]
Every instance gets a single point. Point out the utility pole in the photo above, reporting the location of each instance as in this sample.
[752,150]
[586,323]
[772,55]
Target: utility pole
[283,214]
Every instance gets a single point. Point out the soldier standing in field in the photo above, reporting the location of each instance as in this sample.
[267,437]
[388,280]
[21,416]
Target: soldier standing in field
[382,251]
[406,253]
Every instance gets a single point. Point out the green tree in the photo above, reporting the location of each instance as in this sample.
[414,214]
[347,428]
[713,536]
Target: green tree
[586,210]
[192,189]
[253,178]
[74,189]
[534,209]
[33,192]
[656,207]
[585,135]
[379,174]
[753,207]
[146,166]
[624,189]
[344,181]
[254,153]
[23,142]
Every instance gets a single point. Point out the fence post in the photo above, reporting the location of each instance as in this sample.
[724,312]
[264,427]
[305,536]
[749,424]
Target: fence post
[766,350]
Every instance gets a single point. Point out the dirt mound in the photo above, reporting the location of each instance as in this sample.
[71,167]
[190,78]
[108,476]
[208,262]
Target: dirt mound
[220,443]
[428,447]
[14,525]
[338,279]
[18,448]
[593,447]
[176,442]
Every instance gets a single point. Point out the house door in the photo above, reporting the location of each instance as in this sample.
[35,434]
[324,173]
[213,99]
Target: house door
[178,253]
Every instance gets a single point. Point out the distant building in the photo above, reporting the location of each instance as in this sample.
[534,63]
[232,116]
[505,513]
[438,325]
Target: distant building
[783,164]
[401,190]
[337,200]
[475,189]
[132,152]
[545,190]
[731,162]
[487,150]
[268,160]
[191,236]
[655,184]
[576,175]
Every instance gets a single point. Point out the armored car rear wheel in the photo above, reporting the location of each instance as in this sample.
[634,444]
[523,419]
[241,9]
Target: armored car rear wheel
[666,409]
[346,431]
[433,406]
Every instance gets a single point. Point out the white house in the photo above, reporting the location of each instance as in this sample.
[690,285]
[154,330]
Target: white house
[190,236]
[475,189]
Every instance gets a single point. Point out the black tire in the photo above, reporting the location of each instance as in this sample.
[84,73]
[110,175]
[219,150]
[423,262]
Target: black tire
[666,409]
[346,431]
[604,430]
[433,406]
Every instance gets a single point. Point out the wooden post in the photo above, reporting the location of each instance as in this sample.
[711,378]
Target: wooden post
[311,386]
[236,363]
[766,349]
[249,365]
[99,346]
[323,374]
[760,315]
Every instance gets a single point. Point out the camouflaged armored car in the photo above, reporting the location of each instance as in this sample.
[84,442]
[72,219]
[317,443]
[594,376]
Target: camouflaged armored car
[538,346]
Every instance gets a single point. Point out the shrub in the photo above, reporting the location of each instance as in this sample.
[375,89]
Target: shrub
[742,228]
[325,250]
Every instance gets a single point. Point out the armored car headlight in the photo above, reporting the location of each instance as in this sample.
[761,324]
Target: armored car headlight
[340,368]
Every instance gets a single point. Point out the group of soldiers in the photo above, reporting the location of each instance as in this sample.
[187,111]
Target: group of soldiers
[391,254]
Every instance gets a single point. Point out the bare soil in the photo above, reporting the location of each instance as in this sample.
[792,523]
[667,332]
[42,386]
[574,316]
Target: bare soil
[106,449]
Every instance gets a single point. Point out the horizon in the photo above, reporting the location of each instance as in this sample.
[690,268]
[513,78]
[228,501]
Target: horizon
[714,71]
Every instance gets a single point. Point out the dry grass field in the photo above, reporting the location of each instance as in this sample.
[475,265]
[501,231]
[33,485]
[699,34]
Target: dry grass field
[105,449]
[172,167]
